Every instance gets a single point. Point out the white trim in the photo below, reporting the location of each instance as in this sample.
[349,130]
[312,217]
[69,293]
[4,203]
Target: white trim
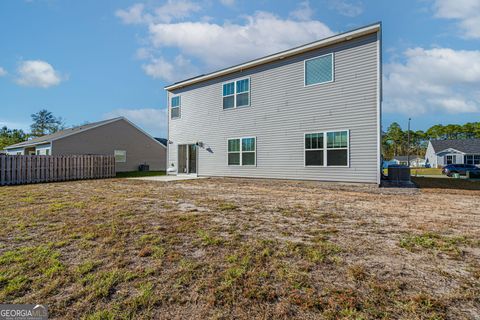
[179,107]
[241,152]
[325,149]
[235,92]
[318,83]
[450,150]
[281,55]
[379,104]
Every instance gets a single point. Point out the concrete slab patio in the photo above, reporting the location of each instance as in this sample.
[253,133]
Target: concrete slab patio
[167,178]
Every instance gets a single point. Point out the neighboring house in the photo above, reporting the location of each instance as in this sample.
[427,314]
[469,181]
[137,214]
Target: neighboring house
[311,112]
[120,137]
[415,161]
[444,152]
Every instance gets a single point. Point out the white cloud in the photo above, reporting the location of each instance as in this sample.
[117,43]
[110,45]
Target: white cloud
[209,45]
[153,121]
[228,3]
[467,12]
[346,8]
[159,68]
[170,11]
[303,13]
[3,72]
[432,81]
[37,73]
[219,45]
[132,15]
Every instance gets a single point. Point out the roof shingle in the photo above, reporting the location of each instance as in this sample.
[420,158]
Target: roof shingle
[462,145]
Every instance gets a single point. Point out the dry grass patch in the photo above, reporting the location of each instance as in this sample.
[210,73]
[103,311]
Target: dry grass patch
[121,249]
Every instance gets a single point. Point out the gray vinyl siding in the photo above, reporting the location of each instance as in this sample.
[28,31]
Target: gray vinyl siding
[117,135]
[282,109]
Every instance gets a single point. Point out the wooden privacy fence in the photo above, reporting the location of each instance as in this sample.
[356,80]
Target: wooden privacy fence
[19,169]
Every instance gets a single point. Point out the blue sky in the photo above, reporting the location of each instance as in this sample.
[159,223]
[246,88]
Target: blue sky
[89,60]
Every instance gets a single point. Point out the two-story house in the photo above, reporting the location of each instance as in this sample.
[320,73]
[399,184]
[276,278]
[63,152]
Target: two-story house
[311,112]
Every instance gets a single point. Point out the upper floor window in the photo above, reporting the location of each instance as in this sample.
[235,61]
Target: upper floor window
[319,70]
[242,151]
[175,107]
[332,152]
[236,93]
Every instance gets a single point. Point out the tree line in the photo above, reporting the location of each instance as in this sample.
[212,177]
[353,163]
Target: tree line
[395,140]
[43,123]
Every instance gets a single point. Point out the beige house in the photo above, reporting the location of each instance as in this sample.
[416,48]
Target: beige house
[120,137]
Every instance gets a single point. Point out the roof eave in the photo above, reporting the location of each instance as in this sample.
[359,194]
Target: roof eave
[281,55]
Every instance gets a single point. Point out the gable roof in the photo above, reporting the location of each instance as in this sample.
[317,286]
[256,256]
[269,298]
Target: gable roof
[462,145]
[60,134]
[67,132]
[349,35]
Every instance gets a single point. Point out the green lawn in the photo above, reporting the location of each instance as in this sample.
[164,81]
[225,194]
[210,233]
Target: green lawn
[421,171]
[135,174]
[425,171]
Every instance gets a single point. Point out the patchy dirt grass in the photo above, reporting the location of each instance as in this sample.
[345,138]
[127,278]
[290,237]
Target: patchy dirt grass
[240,248]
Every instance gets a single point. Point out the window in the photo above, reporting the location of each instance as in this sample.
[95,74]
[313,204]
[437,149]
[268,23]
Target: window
[47,152]
[120,155]
[332,151]
[38,152]
[319,70]
[175,107]
[314,149]
[472,159]
[450,159]
[236,94]
[337,148]
[242,151]
[468,159]
[234,152]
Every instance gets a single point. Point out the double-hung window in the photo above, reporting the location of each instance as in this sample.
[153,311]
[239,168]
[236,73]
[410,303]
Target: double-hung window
[175,106]
[236,94]
[242,151]
[328,148]
[450,159]
[314,149]
[319,70]
[337,148]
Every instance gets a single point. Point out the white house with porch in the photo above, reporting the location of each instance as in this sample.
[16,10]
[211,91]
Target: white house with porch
[460,151]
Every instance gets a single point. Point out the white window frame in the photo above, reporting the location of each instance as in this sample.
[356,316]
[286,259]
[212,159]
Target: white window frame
[319,83]
[179,106]
[453,157]
[325,149]
[115,156]
[316,149]
[241,152]
[235,93]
